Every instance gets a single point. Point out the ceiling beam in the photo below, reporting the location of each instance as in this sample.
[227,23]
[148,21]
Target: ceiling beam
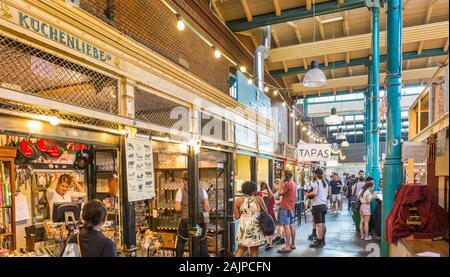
[217,10]
[298,13]
[362,61]
[361,80]
[248,12]
[427,20]
[276,4]
[412,34]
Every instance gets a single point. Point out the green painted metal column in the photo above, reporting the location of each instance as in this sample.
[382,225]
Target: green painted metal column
[375,137]
[393,166]
[367,119]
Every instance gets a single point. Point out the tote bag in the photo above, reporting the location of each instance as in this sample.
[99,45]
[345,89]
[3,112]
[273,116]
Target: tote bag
[72,250]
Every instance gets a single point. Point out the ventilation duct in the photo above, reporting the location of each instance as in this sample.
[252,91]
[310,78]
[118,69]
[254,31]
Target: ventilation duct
[261,53]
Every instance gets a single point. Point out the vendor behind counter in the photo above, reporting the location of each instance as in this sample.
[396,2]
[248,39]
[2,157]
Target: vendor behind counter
[58,190]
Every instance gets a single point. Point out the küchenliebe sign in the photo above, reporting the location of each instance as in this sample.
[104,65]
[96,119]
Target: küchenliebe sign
[44,29]
[314,152]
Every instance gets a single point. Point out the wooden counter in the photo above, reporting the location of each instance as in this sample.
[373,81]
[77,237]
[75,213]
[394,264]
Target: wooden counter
[409,247]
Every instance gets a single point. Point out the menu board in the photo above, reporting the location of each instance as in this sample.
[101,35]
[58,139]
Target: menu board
[140,175]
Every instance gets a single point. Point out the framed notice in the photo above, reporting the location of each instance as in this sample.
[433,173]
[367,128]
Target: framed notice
[314,152]
[139,163]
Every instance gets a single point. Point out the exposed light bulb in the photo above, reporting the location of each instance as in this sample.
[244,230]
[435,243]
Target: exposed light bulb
[297,123]
[266,89]
[34,125]
[304,129]
[180,25]
[53,120]
[284,104]
[275,92]
[292,114]
[217,54]
[243,69]
[250,81]
[308,133]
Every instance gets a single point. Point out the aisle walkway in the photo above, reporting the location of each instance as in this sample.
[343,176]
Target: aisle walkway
[342,240]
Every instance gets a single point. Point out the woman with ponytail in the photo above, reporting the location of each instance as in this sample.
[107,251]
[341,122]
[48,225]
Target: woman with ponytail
[92,243]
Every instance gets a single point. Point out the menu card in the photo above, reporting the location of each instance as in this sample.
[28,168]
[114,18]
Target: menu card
[140,175]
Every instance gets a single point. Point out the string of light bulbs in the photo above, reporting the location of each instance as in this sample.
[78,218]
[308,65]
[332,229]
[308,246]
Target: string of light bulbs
[181,26]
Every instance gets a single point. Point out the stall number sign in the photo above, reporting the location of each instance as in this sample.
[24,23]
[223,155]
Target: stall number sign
[140,175]
[314,152]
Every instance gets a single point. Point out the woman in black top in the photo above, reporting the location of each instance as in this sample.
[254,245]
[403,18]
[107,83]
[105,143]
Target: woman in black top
[92,242]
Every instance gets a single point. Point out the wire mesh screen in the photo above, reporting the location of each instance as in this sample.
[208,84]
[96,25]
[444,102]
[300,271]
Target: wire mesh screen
[214,127]
[36,72]
[12,106]
[160,111]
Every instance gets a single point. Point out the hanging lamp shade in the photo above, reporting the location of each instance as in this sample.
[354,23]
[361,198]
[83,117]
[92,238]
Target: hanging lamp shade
[345,144]
[314,77]
[341,135]
[333,119]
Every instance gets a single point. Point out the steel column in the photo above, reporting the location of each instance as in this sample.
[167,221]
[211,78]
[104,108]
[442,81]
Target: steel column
[367,120]
[393,166]
[194,246]
[375,137]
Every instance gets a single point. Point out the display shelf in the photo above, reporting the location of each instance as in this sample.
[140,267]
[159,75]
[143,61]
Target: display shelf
[6,234]
[5,207]
[171,169]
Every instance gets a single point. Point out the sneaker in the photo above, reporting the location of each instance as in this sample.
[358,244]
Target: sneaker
[312,237]
[316,244]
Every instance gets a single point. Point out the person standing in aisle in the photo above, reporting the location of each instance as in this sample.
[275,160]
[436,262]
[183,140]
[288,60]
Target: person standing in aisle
[287,207]
[335,191]
[182,205]
[365,197]
[358,186]
[319,210]
[266,193]
[280,237]
[91,242]
[247,210]
[350,183]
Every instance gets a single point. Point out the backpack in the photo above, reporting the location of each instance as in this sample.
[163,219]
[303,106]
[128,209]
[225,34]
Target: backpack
[72,250]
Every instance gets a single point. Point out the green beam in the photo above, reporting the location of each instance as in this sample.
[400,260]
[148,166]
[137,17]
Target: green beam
[367,119]
[393,166]
[360,61]
[350,123]
[375,138]
[299,13]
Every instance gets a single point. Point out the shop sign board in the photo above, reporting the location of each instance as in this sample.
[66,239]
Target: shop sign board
[415,150]
[57,34]
[314,152]
[140,173]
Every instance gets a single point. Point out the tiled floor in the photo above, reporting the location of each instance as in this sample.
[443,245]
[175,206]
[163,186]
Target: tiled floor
[342,240]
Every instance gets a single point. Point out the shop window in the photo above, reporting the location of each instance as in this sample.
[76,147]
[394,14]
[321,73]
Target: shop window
[33,71]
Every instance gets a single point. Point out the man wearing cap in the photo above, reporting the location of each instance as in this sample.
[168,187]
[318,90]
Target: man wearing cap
[319,209]
[182,205]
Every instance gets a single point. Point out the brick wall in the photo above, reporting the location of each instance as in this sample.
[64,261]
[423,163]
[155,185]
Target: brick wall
[152,24]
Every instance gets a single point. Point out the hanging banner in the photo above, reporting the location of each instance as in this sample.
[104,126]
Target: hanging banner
[314,152]
[140,175]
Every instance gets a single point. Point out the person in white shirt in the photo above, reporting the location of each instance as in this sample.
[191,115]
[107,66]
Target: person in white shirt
[58,190]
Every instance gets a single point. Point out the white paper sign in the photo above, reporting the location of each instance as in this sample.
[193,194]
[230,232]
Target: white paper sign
[140,175]
[22,211]
[314,152]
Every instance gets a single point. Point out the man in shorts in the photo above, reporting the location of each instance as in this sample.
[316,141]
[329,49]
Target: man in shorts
[319,209]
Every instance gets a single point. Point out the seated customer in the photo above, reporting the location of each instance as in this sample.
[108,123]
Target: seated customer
[92,242]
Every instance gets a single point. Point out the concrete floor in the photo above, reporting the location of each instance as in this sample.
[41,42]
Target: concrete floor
[342,240]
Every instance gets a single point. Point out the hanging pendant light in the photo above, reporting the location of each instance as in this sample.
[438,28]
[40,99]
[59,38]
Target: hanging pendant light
[314,78]
[341,135]
[333,119]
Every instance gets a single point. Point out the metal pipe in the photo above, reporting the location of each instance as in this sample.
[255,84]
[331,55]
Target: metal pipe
[375,137]
[261,53]
[393,166]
